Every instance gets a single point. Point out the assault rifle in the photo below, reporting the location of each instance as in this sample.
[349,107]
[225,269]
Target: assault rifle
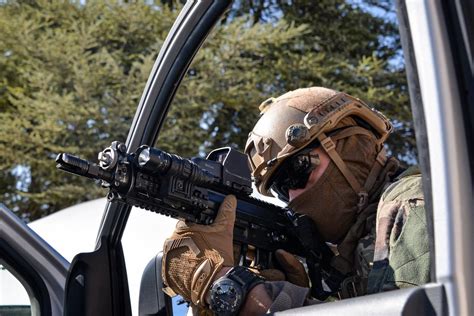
[192,190]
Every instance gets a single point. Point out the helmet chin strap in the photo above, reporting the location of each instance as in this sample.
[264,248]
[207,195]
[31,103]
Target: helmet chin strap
[361,190]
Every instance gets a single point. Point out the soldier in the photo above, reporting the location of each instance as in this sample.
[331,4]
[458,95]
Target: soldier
[322,152]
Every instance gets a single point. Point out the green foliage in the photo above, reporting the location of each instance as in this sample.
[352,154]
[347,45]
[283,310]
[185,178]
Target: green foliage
[238,67]
[71,79]
[71,76]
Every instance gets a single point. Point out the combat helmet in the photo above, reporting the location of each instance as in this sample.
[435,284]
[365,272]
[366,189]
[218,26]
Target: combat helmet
[290,123]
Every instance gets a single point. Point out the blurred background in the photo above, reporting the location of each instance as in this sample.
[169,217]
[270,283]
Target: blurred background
[72,74]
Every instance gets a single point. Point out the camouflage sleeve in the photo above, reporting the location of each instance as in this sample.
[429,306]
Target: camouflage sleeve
[401,255]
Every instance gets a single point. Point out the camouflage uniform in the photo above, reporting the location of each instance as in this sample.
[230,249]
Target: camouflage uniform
[401,254]
[357,203]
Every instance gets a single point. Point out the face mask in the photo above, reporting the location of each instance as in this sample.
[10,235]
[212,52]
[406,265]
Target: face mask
[331,203]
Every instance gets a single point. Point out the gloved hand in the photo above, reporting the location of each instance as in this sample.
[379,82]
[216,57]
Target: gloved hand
[292,267]
[194,254]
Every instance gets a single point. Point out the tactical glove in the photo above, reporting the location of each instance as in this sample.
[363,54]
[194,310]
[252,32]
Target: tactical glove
[195,253]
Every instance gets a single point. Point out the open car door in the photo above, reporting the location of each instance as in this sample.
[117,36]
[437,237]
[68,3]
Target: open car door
[39,268]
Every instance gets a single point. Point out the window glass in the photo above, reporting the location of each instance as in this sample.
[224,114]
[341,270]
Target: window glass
[14,299]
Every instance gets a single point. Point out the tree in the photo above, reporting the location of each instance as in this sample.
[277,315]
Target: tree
[73,77]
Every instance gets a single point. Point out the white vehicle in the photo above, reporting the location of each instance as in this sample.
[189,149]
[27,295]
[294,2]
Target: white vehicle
[437,38]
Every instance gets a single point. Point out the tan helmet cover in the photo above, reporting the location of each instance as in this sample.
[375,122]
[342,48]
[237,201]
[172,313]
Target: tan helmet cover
[294,120]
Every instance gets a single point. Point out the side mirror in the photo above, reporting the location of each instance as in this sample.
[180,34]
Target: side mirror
[152,299]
